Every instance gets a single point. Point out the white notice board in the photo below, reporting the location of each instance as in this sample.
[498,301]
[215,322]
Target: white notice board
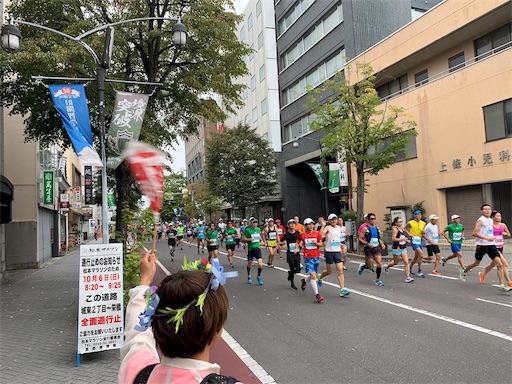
[100,302]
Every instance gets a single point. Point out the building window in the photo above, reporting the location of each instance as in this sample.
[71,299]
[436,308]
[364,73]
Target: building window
[258,8]
[456,62]
[260,40]
[263,107]
[251,57]
[292,15]
[498,39]
[246,119]
[498,120]
[421,78]
[410,152]
[242,33]
[262,73]
[416,12]
[245,93]
[298,128]
[255,115]
[393,87]
[253,83]
[249,22]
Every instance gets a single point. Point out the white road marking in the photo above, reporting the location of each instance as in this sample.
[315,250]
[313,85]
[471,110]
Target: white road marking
[493,302]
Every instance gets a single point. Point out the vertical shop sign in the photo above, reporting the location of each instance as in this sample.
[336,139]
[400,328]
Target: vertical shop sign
[48,187]
[100,309]
[88,184]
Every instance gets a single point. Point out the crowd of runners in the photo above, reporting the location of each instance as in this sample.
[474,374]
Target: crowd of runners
[330,237]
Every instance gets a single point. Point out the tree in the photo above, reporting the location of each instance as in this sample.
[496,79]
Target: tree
[200,201]
[143,51]
[240,166]
[365,133]
[172,199]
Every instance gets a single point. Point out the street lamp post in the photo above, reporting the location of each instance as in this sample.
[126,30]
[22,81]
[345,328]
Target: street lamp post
[11,40]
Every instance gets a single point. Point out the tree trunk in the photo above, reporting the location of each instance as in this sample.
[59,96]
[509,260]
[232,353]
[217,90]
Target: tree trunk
[123,184]
[360,194]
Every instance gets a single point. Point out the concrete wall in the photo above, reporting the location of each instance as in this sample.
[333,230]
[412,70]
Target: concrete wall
[21,246]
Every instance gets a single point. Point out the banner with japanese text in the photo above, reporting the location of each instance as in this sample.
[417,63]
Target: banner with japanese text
[100,300]
[334,177]
[129,109]
[71,103]
[88,185]
[48,187]
[319,173]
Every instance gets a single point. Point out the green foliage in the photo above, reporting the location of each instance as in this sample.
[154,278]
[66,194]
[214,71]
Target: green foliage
[349,215]
[131,273]
[200,201]
[240,166]
[173,198]
[419,205]
[387,220]
[357,127]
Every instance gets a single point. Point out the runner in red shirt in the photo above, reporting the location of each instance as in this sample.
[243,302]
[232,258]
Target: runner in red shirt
[311,241]
[280,232]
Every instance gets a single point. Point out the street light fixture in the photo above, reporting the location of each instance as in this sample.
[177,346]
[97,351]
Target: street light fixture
[11,42]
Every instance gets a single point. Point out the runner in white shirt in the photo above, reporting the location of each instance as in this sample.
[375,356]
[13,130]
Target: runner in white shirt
[431,235]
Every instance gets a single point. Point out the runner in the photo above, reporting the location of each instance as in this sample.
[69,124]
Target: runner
[333,235]
[280,231]
[212,237]
[200,236]
[290,239]
[231,234]
[370,239]
[298,226]
[343,239]
[222,226]
[311,241]
[190,233]
[500,230]
[171,240]
[431,235]
[455,237]
[484,234]
[271,237]
[399,249]
[181,231]
[362,229]
[414,229]
[238,235]
[243,227]
[252,236]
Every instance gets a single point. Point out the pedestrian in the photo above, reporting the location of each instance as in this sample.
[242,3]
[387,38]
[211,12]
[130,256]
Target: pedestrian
[370,239]
[298,226]
[311,241]
[290,239]
[484,234]
[500,230]
[399,249]
[414,229]
[200,230]
[171,240]
[212,237]
[280,231]
[230,234]
[159,347]
[271,237]
[180,229]
[190,233]
[252,236]
[95,232]
[333,251]
[431,236]
[455,236]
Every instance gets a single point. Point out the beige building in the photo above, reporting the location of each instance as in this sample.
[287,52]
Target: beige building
[195,151]
[451,70]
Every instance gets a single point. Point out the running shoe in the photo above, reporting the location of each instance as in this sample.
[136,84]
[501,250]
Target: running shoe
[344,268]
[386,269]
[435,273]
[290,275]
[260,282]
[319,280]
[360,269]
[509,284]
[420,273]
[344,292]
[249,280]
[319,298]
[443,261]
[412,273]
[303,284]
[293,287]
[172,258]
[379,282]
[462,275]
[409,279]
[232,266]
[505,288]
[482,277]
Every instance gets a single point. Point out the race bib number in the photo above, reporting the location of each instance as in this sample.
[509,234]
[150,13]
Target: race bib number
[435,238]
[490,231]
[229,238]
[255,238]
[272,236]
[189,233]
[374,241]
[457,236]
[498,240]
[416,240]
[402,240]
[279,231]
[311,244]
[292,247]
[335,245]
[213,242]
[343,236]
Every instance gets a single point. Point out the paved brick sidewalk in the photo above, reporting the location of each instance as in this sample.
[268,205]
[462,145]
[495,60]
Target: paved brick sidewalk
[38,329]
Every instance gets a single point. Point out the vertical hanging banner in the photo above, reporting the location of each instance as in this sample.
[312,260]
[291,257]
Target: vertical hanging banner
[88,184]
[71,103]
[100,298]
[343,175]
[334,177]
[319,173]
[129,109]
[48,187]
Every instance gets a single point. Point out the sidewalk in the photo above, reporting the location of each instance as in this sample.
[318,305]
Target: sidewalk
[38,331]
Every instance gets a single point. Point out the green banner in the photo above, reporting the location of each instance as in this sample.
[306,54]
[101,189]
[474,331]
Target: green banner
[126,123]
[111,200]
[48,187]
[334,177]
[319,173]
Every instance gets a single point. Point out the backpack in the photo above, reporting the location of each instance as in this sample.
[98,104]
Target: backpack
[212,378]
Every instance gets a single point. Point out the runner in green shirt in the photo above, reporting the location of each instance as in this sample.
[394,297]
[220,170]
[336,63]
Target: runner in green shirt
[211,241]
[252,236]
[455,236]
[230,234]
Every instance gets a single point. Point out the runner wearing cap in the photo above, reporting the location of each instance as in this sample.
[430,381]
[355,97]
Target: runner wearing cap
[333,246]
[298,226]
[311,241]
[230,234]
[200,229]
[343,239]
[212,238]
[271,237]
[431,236]
[290,239]
[370,238]
[252,236]
[414,229]
[454,234]
[399,249]
[280,232]
[243,227]
[190,233]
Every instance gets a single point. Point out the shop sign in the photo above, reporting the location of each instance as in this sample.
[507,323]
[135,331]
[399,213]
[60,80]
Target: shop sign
[48,187]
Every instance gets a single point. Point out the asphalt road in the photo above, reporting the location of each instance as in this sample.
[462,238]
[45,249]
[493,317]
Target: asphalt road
[434,330]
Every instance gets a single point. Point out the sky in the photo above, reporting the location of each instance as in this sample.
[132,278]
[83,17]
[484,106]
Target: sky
[178,153]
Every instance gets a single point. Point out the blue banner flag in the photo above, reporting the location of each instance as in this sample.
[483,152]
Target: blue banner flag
[71,103]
